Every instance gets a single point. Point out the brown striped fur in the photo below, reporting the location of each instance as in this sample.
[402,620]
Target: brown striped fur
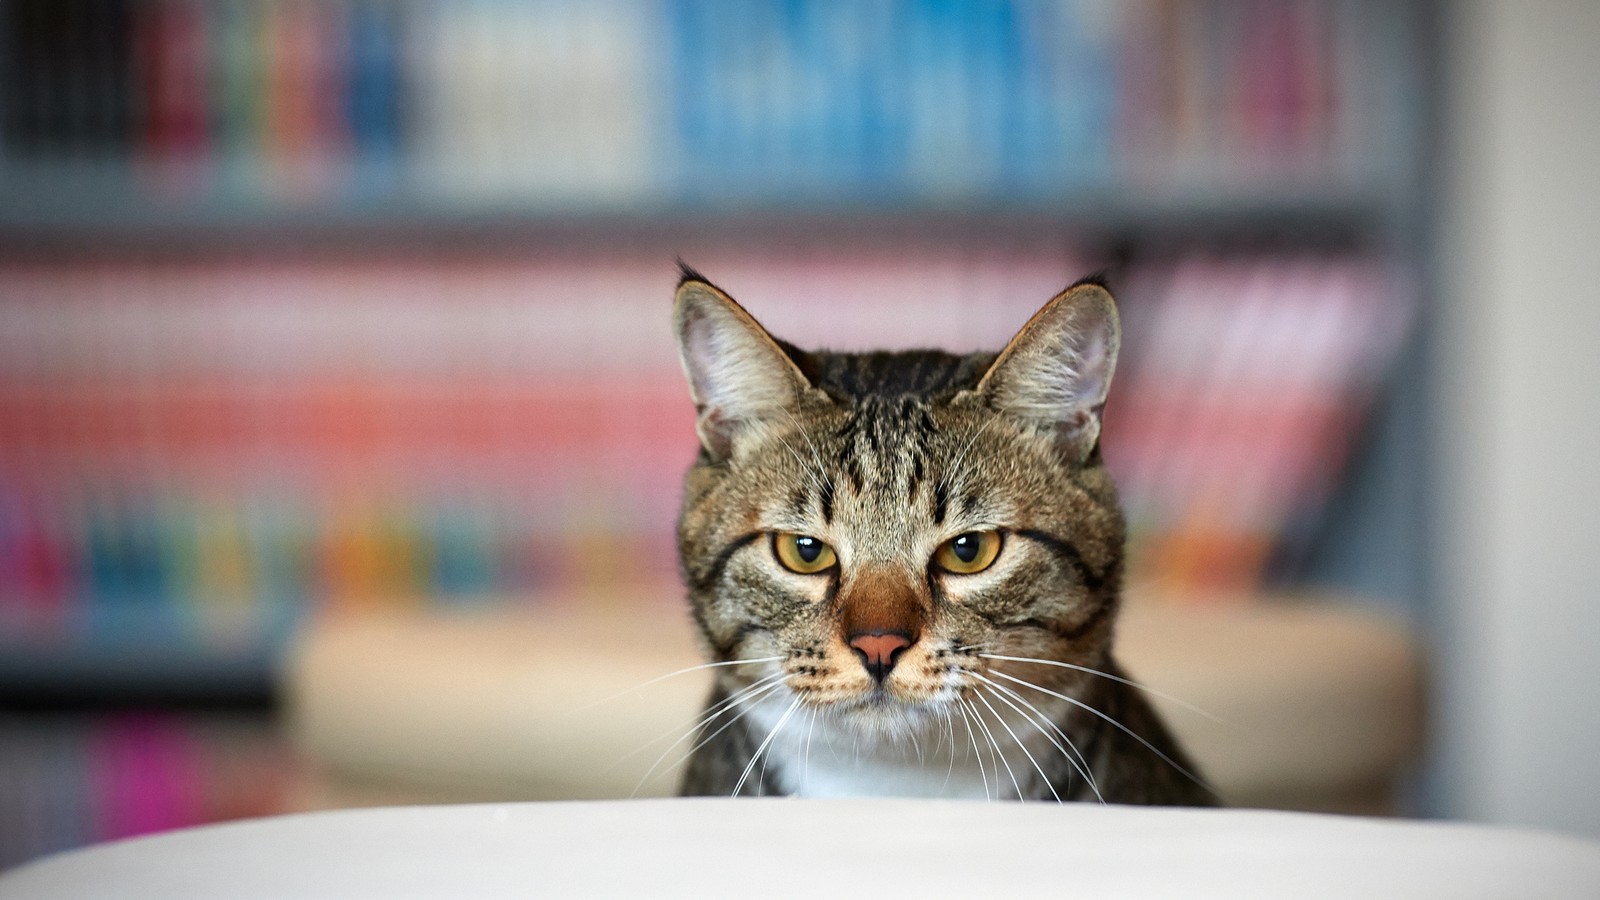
[884,456]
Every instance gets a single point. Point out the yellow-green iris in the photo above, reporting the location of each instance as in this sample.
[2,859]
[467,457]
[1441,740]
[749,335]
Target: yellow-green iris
[968,553]
[803,554]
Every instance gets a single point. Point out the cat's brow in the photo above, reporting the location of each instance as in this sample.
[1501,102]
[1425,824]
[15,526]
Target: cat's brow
[1064,632]
[713,573]
[1069,554]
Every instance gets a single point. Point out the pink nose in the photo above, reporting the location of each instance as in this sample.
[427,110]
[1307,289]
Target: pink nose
[880,650]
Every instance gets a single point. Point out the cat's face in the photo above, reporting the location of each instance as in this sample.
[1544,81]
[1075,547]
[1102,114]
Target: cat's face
[872,526]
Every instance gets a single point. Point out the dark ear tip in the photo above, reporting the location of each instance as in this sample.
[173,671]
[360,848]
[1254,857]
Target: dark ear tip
[1094,279]
[688,273]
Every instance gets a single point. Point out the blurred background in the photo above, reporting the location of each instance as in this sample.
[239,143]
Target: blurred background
[316,314]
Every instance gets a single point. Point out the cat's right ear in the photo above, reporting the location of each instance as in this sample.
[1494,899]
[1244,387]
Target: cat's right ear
[738,375]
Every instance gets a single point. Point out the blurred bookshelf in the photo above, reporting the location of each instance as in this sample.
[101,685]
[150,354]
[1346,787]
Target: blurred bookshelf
[331,306]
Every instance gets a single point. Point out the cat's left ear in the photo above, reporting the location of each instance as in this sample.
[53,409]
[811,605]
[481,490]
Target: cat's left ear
[1056,372]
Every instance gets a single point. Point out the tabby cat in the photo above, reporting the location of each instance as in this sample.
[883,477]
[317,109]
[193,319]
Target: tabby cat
[906,566]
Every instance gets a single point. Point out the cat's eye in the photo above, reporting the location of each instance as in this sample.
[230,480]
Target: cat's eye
[968,553]
[803,554]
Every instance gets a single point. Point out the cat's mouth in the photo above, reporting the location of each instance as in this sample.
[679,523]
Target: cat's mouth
[880,715]
[880,699]
[873,699]
[879,696]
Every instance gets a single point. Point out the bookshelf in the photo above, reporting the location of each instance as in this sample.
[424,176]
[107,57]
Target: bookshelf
[181,162]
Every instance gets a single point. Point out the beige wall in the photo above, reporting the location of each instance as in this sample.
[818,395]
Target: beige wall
[1518,434]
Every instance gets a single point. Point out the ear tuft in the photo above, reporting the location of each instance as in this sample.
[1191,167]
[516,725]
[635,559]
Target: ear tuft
[688,273]
[738,375]
[1057,371]
[1093,279]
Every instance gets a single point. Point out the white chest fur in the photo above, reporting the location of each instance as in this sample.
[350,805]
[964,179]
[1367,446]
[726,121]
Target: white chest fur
[816,755]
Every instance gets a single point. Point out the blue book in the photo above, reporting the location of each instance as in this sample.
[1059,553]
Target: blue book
[461,557]
[693,129]
[374,95]
[278,533]
[1086,86]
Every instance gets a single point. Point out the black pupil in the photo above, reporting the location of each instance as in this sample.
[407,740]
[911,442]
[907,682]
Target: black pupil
[965,547]
[809,548]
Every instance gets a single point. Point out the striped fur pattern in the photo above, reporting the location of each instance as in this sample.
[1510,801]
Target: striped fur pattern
[1005,686]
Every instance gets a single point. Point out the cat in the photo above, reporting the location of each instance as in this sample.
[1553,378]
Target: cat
[906,567]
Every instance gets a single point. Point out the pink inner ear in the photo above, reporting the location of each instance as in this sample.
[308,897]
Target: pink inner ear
[733,364]
[717,348]
[1091,361]
[700,357]
[1058,369]
[704,360]
[737,374]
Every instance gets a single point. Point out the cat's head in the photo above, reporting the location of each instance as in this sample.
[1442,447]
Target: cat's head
[876,524]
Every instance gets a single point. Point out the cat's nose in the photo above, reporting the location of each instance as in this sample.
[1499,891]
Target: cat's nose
[880,650]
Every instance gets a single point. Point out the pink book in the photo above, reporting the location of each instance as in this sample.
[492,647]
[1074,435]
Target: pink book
[145,774]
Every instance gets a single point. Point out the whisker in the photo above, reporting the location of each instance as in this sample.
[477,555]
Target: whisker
[1083,768]
[1020,745]
[1070,752]
[750,693]
[994,742]
[810,730]
[977,754]
[810,475]
[660,678]
[995,746]
[805,468]
[950,726]
[764,744]
[1121,727]
[961,457]
[761,782]
[813,470]
[708,713]
[816,456]
[1134,684]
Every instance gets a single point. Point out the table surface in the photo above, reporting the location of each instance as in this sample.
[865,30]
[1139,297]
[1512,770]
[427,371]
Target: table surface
[785,847]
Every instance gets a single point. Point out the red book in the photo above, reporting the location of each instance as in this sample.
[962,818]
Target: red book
[170,47]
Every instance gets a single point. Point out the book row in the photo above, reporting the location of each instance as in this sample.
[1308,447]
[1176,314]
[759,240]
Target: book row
[118,565]
[71,780]
[640,102]
[150,487]
[521,319]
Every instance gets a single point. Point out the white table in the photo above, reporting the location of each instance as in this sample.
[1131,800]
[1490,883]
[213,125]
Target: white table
[754,848]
